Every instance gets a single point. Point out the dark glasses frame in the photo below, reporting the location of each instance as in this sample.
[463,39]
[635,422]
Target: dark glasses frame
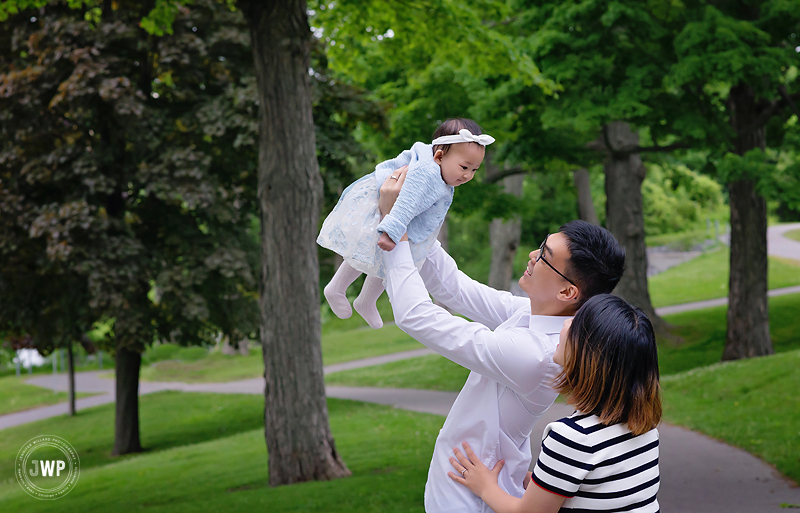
[541,257]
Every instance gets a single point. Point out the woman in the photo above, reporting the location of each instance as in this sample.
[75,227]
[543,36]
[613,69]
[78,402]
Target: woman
[604,457]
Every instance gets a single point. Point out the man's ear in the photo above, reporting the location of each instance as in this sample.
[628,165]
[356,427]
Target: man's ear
[437,157]
[569,294]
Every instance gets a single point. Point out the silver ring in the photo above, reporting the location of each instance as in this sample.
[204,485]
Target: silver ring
[462,472]
[395,177]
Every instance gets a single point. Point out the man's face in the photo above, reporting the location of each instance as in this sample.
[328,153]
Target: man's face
[539,281]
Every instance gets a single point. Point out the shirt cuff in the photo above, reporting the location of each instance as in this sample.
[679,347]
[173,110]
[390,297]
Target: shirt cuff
[434,248]
[401,254]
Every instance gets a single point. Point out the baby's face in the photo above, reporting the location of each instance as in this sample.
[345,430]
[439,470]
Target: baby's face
[460,163]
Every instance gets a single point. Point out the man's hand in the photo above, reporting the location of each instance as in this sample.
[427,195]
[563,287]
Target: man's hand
[391,189]
[527,480]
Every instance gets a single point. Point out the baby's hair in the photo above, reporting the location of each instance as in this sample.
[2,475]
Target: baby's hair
[611,364]
[451,127]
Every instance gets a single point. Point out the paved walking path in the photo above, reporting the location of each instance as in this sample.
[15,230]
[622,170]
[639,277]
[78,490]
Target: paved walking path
[778,245]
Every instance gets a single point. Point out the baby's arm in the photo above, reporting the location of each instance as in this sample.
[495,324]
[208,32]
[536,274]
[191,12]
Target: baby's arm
[415,197]
[386,243]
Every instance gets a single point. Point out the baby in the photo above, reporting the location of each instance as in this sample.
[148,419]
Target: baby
[354,228]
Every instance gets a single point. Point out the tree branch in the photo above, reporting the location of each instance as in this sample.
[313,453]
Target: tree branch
[493,24]
[624,151]
[505,173]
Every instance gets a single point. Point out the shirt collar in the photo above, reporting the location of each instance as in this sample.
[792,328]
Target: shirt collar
[549,324]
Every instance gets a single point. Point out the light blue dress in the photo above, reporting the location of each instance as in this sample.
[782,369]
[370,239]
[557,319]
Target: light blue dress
[353,227]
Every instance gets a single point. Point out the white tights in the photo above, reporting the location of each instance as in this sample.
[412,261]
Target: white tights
[364,303]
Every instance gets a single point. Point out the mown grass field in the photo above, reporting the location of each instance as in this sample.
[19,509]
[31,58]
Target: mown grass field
[16,395]
[794,235]
[204,455]
[706,277]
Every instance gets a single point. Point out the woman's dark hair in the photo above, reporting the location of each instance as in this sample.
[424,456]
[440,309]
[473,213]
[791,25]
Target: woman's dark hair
[611,364]
[596,260]
[451,127]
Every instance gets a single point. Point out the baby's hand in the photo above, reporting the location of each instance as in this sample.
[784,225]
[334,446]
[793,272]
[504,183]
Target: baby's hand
[385,242]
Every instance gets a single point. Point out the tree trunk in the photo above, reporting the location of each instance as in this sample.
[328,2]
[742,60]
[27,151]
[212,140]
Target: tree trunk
[299,440]
[586,209]
[126,428]
[71,375]
[748,311]
[625,217]
[504,237]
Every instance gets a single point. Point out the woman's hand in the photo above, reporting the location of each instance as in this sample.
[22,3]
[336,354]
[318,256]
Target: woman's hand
[477,477]
[391,189]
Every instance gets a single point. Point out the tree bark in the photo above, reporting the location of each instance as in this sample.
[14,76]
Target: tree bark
[126,429]
[297,432]
[504,237]
[625,217]
[586,209]
[748,310]
[71,374]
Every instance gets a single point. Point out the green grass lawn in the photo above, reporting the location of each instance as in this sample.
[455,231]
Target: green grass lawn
[167,419]
[794,235]
[682,241]
[752,404]
[432,372]
[16,395]
[337,346]
[222,465]
[706,277]
[703,332]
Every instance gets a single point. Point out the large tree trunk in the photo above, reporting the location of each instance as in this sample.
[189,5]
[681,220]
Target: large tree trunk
[625,217]
[126,429]
[299,440]
[504,237]
[748,313]
[71,375]
[586,209]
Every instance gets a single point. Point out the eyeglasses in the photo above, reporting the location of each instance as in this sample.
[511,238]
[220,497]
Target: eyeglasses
[541,257]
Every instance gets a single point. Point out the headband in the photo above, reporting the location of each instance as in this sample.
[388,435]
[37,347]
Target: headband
[463,136]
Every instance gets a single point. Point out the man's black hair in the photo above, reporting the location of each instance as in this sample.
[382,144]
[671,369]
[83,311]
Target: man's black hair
[596,261]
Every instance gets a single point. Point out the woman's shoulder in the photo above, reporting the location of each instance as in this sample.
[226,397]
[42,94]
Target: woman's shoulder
[588,431]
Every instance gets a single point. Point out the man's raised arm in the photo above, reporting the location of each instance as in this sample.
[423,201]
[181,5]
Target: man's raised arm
[519,359]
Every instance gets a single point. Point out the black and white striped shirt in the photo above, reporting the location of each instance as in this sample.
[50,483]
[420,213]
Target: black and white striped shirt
[599,467]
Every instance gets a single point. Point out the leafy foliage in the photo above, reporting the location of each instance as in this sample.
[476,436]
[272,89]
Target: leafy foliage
[109,186]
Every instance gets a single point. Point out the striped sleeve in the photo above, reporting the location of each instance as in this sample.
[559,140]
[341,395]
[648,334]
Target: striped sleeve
[565,460]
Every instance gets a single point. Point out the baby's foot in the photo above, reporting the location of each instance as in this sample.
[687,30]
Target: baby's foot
[369,312]
[385,243]
[338,302]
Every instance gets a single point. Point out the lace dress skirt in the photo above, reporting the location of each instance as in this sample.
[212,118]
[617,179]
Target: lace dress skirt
[351,229]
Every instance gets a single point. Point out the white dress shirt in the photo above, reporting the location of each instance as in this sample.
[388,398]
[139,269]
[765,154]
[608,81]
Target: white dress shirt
[510,354]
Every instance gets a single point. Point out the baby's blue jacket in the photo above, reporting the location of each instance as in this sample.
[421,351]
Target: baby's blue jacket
[424,199]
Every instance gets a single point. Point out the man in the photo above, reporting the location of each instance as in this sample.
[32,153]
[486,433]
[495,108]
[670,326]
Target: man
[508,346]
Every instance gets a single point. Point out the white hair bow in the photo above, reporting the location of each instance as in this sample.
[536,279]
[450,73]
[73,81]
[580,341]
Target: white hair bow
[463,136]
